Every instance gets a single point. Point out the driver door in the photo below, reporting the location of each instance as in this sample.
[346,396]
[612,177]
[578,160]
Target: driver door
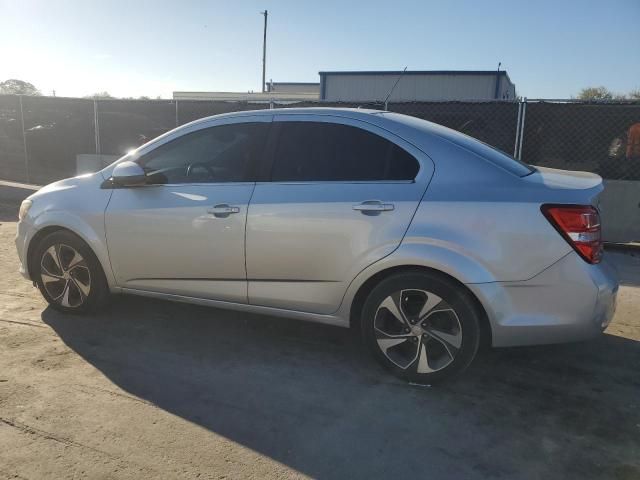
[183,233]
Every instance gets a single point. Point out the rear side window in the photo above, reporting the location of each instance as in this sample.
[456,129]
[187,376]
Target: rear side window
[318,151]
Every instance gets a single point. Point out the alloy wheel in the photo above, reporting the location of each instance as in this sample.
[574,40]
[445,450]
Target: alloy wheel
[65,275]
[418,331]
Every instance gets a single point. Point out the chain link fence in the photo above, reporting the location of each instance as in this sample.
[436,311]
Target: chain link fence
[494,123]
[602,137]
[12,145]
[41,137]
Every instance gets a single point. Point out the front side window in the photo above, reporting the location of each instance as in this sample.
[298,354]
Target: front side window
[318,151]
[225,153]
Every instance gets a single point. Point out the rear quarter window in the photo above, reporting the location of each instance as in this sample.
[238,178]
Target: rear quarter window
[489,153]
[497,157]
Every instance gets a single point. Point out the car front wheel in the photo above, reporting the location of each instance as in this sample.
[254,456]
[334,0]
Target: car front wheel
[68,273]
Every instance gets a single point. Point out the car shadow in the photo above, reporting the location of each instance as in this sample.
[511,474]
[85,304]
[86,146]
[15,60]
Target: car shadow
[309,396]
[626,262]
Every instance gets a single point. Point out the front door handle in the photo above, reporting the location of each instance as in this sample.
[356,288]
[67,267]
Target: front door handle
[373,206]
[223,210]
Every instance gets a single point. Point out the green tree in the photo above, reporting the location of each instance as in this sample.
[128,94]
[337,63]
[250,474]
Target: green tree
[601,93]
[13,86]
[596,93]
[100,95]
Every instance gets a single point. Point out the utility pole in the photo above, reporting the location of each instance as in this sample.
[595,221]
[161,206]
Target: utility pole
[264,50]
[495,96]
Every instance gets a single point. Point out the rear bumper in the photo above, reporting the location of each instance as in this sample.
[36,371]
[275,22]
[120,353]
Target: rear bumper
[569,301]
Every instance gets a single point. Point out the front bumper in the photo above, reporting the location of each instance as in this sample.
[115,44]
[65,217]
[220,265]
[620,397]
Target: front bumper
[24,234]
[569,301]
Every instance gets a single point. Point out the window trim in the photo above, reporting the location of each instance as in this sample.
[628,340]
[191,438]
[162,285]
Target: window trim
[266,175]
[343,182]
[252,170]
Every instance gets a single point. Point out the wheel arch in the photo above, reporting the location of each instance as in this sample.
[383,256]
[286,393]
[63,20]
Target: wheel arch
[367,286]
[35,241]
[82,231]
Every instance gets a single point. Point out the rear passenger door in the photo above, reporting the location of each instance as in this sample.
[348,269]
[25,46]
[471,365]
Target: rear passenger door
[341,196]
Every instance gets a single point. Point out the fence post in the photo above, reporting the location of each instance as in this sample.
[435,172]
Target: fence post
[24,141]
[96,125]
[517,139]
[524,116]
[177,121]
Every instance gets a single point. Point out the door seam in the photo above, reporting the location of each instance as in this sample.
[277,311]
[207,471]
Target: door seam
[246,223]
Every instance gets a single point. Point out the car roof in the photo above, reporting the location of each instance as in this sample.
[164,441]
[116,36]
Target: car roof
[415,130]
[437,141]
[341,112]
[380,118]
[405,126]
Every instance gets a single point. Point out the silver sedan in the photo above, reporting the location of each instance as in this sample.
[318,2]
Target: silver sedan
[427,241]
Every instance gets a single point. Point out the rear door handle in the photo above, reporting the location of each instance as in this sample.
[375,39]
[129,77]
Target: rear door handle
[373,206]
[223,210]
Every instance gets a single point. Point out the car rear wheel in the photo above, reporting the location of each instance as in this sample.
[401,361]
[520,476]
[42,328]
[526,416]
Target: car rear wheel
[422,326]
[68,273]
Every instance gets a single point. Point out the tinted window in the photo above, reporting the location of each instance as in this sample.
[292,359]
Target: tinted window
[217,154]
[315,151]
[493,155]
[498,157]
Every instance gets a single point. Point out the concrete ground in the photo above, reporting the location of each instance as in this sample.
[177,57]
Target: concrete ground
[152,389]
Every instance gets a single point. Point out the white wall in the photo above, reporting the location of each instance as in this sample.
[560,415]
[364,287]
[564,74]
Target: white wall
[247,96]
[620,210]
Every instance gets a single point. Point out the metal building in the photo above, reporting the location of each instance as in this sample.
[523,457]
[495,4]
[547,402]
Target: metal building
[374,86]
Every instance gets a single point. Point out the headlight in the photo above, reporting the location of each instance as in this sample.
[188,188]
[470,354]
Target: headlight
[24,209]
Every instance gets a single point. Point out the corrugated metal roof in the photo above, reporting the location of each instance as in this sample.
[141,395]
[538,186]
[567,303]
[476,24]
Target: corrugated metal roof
[415,72]
[502,73]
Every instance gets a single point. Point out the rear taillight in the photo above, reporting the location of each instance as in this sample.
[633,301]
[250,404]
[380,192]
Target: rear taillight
[580,226]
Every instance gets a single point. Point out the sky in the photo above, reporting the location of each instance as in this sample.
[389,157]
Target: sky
[551,49]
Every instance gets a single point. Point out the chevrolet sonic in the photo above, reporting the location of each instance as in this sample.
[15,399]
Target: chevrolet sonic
[427,241]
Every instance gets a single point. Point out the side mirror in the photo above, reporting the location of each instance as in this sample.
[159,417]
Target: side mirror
[128,174]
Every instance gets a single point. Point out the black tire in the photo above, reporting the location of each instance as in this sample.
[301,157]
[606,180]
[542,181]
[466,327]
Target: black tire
[81,276]
[455,314]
